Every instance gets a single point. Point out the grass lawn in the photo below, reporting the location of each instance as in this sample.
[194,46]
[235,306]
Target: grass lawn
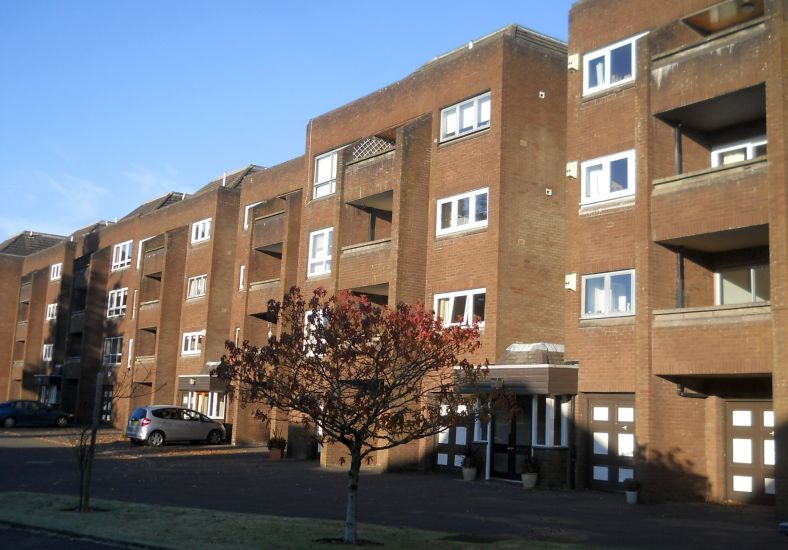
[190,528]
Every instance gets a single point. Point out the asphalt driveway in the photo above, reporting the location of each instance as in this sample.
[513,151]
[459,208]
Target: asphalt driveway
[244,480]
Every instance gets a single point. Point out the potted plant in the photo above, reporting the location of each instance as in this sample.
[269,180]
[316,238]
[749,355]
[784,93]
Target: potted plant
[631,488]
[276,447]
[529,472]
[470,464]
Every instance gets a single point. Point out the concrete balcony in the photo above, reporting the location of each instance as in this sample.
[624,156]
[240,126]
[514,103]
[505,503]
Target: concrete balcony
[713,340]
[716,65]
[710,201]
[21,331]
[365,264]
[370,176]
[77,322]
[17,370]
[149,314]
[260,292]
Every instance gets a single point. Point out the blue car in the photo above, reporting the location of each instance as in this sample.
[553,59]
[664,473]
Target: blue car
[32,413]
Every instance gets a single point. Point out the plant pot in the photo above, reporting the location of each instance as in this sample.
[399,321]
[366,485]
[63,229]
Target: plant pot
[632,497]
[276,454]
[529,480]
[468,473]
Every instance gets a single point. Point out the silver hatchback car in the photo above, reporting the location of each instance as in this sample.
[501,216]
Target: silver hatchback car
[156,424]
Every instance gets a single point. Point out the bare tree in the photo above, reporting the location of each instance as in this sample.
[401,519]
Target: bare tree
[371,378]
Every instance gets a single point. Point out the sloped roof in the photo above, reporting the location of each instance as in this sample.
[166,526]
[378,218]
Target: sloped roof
[159,202]
[29,242]
[232,179]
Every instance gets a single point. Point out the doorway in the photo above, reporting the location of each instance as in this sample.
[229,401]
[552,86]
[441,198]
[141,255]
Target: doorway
[511,439]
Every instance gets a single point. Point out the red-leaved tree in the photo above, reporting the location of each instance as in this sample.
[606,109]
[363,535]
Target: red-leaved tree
[371,378]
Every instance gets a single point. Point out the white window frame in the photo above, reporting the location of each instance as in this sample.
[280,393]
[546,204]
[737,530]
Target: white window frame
[242,277]
[554,405]
[51,312]
[247,211]
[319,263]
[201,230]
[139,250]
[121,255]
[112,352]
[454,200]
[191,344]
[116,302]
[467,319]
[198,284]
[324,188]
[608,309]
[56,271]
[718,295]
[587,198]
[479,123]
[605,53]
[47,352]
[212,407]
[748,145]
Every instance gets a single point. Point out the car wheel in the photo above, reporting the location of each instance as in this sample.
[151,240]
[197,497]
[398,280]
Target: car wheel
[156,439]
[61,422]
[9,422]
[215,437]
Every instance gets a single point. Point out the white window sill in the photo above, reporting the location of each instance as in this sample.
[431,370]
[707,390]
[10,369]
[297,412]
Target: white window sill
[463,137]
[600,207]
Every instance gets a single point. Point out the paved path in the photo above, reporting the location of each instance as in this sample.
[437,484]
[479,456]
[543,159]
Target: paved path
[244,480]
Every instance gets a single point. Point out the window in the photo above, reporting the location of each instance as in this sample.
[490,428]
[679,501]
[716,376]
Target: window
[241,277]
[247,211]
[106,404]
[196,286]
[113,350]
[320,248]
[192,343]
[211,404]
[55,272]
[48,351]
[461,212]
[116,303]
[550,420]
[121,255]
[461,308]
[742,285]
[201,231]
[608,177]
[738,152]
[609,294]
[51,312]
[465,117]
[610,66]
[325,175]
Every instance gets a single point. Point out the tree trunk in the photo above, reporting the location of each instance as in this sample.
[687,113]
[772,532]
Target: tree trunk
[351,526]
[87,454]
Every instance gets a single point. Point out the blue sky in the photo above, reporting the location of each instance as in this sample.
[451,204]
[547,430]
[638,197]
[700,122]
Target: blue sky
[107,104]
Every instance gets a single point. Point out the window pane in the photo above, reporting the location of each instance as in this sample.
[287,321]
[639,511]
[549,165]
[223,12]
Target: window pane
[541,414]
[596,72]
[478,307]
[620,63]
[735,286]
[759,150]
[443,310]
[762,283]
[330,237]
[734,155]
[325,170]
[458,311]
[621,293]
[317,244]
[619,175]
[484,111]
[595,296]
[594,180]
[463,211]
[467,116]
[445,215]
[481,207]
[450,121]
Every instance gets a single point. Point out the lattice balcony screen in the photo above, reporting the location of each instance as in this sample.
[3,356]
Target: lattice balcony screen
[371,146]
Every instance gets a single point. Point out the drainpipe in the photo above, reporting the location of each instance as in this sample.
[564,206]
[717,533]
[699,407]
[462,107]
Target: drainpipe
[680,277]
[679,152]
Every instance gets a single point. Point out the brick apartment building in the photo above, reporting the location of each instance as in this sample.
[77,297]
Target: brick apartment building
[616,198]
[677,265]
[462,158]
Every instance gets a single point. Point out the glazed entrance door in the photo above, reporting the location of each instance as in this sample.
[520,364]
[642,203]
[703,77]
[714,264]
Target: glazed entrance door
[511,440]
[750,451]
[612,441]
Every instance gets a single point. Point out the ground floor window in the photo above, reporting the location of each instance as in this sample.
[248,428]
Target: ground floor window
[106,404]
[47,393]
[211,404]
